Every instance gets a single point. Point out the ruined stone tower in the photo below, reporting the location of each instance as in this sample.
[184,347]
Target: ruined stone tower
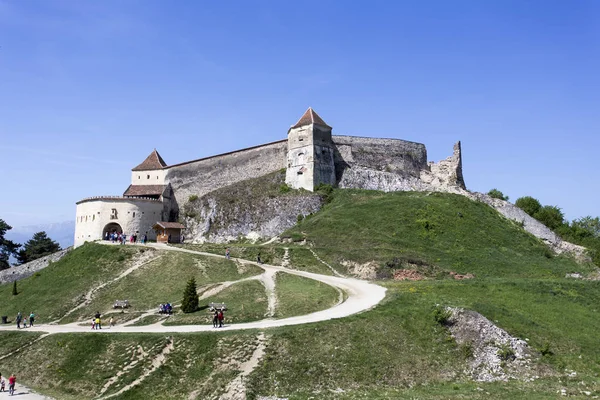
[310,153]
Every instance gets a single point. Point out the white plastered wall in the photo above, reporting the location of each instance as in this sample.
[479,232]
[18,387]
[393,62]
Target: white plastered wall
[154,177]
[132,215]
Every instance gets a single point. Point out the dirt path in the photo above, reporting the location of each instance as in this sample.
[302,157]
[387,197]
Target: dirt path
[142,260]
[157,361]
[327,265]
[236,389]
[362,295]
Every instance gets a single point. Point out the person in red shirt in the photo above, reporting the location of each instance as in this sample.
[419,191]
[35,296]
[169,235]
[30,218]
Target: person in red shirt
[11,384]
[221,317]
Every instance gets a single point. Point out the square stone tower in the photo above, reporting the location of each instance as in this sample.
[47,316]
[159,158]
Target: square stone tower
[310,153]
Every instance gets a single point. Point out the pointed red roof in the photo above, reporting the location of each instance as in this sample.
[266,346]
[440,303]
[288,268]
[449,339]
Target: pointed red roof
[153,161]
[310,117]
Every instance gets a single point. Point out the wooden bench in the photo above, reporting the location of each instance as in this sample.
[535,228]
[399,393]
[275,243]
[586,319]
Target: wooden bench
[217,306]
[121,304]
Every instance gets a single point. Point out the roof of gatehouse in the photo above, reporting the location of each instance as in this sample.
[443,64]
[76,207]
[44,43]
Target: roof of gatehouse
[152,162]
[310,117]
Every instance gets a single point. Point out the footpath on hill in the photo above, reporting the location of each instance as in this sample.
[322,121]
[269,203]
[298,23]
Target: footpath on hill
[361,296]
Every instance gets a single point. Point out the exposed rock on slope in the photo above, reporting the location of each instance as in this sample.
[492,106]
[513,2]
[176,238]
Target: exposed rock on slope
[497,356]
[255,208]
[28,269]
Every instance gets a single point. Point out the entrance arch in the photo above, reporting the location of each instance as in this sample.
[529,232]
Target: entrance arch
[111,228]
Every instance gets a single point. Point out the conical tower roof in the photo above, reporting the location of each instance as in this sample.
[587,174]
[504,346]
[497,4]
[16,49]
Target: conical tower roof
[310,117]
[152,162]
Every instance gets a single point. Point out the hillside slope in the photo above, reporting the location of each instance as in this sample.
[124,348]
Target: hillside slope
[362,230]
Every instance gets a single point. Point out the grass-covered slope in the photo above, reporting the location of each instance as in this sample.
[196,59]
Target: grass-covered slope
[441,230]
[51,292]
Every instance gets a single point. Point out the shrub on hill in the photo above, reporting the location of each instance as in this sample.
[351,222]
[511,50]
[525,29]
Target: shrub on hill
[190,302]
[496,194]
[551,216]
[529,205]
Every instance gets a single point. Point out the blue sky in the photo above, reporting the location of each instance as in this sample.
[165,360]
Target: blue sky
[88,89]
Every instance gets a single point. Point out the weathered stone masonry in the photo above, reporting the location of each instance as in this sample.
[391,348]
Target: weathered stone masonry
[311,155]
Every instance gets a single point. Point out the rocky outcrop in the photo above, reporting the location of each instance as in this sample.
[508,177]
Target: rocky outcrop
[253,209]
[495,354]
[28,269]
[532,225]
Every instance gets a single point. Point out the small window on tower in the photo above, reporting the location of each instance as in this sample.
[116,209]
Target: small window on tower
[139,177]
[301,139]
[134,214]
[148,176]
[299,172]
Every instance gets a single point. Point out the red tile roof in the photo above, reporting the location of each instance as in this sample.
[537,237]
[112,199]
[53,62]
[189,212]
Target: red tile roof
[310,117]
[144,190]
[153,161]
[169,225]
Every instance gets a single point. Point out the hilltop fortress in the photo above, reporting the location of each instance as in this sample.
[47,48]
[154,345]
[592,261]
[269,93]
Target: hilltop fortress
[310,155]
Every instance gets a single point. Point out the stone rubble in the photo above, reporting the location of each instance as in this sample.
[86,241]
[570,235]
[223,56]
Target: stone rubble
[487,342]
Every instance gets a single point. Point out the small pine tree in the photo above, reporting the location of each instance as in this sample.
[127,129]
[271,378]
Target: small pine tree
[190,297]
[14,292]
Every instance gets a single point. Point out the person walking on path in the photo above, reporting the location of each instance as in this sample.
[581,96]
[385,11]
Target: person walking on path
[227,253]
[11,384]
[31,319]
[220,316]
[2,383]
[215,319]
[19,318]
[112,322]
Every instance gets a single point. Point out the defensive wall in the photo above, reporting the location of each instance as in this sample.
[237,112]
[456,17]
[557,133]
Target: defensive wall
[202,176]
[96,215]
[26,270]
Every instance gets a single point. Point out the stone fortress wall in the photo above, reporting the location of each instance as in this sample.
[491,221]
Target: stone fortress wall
[202,176]
[311,155]
[133,215]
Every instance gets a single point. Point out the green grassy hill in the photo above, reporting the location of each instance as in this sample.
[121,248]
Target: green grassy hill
[397,350]
[438,232]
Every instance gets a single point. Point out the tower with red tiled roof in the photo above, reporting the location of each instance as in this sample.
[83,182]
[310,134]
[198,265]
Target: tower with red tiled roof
[148,176]
[310,153]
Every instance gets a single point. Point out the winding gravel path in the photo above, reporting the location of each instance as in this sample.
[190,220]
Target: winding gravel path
[362,295]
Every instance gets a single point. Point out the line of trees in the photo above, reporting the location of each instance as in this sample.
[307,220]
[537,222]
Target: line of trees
[583,231]
[40,245]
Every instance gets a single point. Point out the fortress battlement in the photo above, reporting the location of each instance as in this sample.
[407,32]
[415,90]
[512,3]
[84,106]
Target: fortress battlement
[311,155]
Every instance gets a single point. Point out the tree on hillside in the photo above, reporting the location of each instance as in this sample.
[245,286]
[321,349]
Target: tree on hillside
[190,297]
[551,216]
[7,247]
[496,194]
[39,246]
[528,204]
[588,226]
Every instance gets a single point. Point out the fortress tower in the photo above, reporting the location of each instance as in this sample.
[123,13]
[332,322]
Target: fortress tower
[310,153]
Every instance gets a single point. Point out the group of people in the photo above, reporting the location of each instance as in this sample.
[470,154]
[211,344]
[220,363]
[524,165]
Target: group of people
[19,319]
[218,318]
[12,380]
[122,238]
[97,322]
[165,309]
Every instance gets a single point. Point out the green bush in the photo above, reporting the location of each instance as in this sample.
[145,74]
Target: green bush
[193,198]
[506,353]
[551,216]
[326,192]
[545,350]
[190,301]
[441,315]
[299,218]
[14,289]
[284,188]
[528,204]
[496,194]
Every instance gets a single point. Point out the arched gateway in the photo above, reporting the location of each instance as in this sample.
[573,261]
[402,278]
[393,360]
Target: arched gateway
[111,228]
